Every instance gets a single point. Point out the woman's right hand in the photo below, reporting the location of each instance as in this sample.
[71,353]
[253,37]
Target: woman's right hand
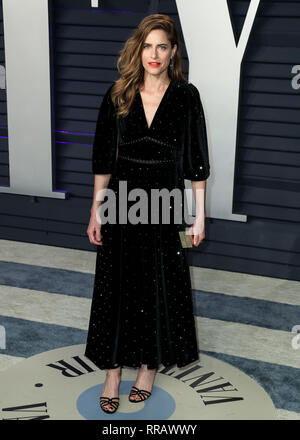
[94,229]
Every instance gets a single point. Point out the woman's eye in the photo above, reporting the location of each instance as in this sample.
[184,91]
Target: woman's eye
[162,47]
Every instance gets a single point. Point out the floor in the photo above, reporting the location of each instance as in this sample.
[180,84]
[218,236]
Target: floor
[246,327]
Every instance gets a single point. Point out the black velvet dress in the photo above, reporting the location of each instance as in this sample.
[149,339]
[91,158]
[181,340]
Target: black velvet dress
[142,310]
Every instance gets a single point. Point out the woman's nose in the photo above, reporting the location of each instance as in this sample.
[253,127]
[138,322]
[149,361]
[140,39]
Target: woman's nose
[154,54]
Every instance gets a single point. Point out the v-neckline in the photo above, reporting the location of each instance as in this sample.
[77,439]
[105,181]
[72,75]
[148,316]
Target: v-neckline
[158,108]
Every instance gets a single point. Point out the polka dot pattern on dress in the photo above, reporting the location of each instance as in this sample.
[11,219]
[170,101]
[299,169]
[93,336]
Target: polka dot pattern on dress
[142,310]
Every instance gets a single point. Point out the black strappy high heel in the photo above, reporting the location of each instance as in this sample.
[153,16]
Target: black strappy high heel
[143,394]
[114,401]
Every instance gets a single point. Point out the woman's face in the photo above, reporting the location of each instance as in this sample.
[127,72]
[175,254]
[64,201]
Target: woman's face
[157,52]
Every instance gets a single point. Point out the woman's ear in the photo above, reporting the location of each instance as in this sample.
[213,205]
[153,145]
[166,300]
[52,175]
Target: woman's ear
[174,50]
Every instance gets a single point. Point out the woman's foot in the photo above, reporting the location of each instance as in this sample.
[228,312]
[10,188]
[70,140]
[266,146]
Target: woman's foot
[144,381]
[111,387]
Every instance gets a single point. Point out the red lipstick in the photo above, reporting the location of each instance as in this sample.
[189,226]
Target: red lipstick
[154,64]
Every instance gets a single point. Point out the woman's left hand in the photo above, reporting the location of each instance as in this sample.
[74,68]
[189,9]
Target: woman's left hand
[197,231]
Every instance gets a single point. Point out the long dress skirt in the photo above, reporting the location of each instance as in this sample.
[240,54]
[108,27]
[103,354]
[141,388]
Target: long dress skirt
[142,310]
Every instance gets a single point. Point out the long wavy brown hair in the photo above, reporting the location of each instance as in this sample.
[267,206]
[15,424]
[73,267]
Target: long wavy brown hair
[130,65]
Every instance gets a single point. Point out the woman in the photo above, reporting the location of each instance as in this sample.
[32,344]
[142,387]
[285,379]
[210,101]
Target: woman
[150,133]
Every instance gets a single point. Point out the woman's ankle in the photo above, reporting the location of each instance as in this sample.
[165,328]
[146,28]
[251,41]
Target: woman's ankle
[113,371]
[144,368]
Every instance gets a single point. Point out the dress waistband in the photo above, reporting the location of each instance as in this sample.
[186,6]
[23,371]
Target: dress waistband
[149,151]
[147,161]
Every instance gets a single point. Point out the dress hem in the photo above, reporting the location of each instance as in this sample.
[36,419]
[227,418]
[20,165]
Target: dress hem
[139,364]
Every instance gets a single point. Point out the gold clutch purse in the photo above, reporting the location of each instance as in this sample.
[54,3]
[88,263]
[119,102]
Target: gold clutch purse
[186,240]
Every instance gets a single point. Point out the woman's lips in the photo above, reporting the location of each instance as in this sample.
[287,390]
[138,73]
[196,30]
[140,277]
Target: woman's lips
[154,64]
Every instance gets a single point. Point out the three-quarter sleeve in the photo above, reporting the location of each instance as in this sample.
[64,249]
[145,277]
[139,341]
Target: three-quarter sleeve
[195,157]
[105,138]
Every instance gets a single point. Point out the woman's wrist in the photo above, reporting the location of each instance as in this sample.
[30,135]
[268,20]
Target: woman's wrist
[95,206]
[200,216]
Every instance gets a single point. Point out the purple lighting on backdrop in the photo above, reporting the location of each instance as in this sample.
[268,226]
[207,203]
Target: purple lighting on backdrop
[77,143]
[74,132]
